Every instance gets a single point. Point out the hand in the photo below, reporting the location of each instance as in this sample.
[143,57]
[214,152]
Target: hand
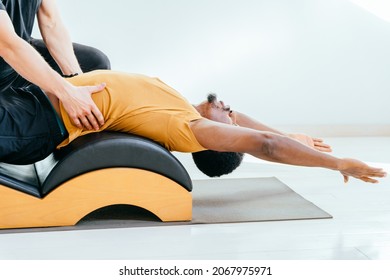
[315,143]
[81,108]
[360,170]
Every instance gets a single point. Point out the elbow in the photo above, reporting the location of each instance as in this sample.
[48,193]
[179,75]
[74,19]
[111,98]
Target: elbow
[268,145]
[8,47]
[2,51]
[49,25]
[47,21]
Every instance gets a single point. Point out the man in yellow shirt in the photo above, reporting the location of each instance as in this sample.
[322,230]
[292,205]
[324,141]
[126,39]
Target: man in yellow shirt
[210,130]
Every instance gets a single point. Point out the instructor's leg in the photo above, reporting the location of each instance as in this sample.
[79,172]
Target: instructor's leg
[89,58]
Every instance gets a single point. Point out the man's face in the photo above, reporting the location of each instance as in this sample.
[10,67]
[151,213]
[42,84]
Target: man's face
[216,110]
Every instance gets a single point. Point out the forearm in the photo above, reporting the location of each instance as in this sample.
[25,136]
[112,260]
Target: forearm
[246,121]
[29,64]
[283,149]
[57,38]
[59,44]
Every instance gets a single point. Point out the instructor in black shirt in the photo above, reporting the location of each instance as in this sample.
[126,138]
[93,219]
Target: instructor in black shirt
[29,67]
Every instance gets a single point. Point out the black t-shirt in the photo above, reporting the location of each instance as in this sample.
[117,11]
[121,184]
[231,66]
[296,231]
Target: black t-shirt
[28,127]
[22,14]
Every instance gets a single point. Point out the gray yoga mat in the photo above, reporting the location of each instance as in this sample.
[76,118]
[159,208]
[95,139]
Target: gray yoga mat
[223,201]
[214,201]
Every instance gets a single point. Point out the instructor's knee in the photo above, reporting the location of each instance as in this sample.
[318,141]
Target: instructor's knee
[101,60]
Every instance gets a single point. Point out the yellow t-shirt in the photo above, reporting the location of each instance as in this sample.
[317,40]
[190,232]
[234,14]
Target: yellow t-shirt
[140,105]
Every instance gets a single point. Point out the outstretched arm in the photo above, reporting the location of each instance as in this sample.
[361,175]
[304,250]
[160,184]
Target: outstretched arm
[277,148]
[246,121]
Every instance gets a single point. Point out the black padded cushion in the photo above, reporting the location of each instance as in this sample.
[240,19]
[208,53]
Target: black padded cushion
[20,177]
[112,149]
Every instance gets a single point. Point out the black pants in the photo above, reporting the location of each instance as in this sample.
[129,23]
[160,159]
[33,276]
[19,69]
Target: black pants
[89,58]
[29,128]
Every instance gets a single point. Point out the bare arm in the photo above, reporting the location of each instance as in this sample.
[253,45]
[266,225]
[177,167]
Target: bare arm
[277,148]
[29,64]
[56,38]
[246,121]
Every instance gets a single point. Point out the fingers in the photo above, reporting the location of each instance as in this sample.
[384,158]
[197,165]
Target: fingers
[313,142]
[97,88]
[363,178]
[91,122]
[368,175]
[321,146]
[91,118]
[94,118]
[370,171]
[326,149]
[85,122]
[98,119]
[77,123]
[368,180]
[88,122]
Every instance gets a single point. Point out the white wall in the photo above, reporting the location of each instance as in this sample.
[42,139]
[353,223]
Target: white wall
[294,64]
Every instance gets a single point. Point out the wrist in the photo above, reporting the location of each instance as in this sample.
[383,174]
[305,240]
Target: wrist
[331,162]
[70,75]
[339,164]
[60,88]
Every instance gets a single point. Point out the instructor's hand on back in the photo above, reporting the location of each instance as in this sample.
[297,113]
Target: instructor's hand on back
[81,108]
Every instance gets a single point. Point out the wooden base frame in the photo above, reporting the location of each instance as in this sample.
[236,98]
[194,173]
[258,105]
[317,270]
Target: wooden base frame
[76,198]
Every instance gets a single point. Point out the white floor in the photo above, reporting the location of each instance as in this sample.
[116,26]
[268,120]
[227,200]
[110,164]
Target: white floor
[360,229]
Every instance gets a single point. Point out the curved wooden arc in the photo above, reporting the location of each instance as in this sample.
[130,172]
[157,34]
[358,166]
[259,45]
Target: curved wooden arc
[74,199]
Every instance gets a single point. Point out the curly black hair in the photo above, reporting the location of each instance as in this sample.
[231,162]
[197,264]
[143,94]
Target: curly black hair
[216,164]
